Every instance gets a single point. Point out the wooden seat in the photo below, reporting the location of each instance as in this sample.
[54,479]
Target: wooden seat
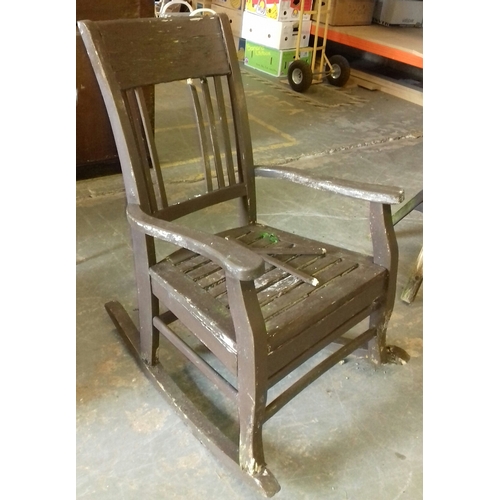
[260,300]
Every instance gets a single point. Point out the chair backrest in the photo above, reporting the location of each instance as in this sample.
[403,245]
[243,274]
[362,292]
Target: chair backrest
[130,54]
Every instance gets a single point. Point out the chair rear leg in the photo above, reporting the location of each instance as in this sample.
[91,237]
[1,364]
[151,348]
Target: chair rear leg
[144,257]
[381,353]
[379,320]
[150,337]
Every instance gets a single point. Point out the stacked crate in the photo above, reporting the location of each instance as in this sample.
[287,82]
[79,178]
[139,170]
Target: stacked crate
[234,10]
[271,31]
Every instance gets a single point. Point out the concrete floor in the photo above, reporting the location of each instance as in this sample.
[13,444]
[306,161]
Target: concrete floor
[356,433]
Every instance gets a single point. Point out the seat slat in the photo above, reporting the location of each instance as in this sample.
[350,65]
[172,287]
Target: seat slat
[212,281]
[306,263]
[287,299]
[203,272]
[191,264]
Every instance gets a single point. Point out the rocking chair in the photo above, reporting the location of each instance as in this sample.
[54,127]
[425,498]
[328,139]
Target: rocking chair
[260,300]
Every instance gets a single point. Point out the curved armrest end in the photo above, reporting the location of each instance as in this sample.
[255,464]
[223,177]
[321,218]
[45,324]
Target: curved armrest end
[239,261]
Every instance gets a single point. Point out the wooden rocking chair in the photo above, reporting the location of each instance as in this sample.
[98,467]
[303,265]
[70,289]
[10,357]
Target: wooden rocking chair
[261,300]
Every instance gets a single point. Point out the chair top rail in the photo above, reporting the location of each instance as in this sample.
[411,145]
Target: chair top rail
[148,51]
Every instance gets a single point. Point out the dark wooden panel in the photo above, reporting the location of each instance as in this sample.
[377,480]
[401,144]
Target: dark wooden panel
[94,137]
[95,146]
[101,10]
[172,54]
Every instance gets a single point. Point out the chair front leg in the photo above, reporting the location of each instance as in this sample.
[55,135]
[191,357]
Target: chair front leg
[251,339]
[385,254]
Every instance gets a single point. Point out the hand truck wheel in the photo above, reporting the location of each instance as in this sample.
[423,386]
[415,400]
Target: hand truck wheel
[340,72]
[300,75]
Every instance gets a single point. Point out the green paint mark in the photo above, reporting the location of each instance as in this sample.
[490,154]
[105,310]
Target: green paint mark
[272,238]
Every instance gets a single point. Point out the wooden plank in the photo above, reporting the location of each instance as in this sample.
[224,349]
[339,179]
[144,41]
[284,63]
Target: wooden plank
[278,294]
[372,82]
[202,271]
[296,273]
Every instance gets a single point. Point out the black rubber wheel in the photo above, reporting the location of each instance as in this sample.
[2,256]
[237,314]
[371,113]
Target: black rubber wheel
[300,75]
[341,70]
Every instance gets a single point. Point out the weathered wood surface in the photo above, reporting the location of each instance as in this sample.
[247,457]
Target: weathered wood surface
[262,300]
[362,190]
[233,258]
[131,45]
[293,310]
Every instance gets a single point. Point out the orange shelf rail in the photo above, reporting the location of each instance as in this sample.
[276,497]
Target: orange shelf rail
[371,46]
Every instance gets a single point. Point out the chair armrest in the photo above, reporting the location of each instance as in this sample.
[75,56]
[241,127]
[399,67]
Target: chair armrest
[390,195]
[239,261]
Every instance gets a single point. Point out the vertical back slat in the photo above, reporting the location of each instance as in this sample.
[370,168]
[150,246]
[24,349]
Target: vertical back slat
[202,136]
[136,121]
[212,128]
[226,161]
[248,206]
[221,107]
[153,153]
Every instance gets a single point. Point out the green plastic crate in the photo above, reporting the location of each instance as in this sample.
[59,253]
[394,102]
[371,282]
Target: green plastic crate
[271,61]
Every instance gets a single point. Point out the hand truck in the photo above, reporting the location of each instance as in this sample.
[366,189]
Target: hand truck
[335,68]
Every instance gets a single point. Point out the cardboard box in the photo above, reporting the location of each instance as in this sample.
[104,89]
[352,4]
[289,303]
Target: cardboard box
[230,4]
[279,10]
[240,44]
[202,4]
[351,12]
[399,12]
[271,61]
[235,18]
[275,34]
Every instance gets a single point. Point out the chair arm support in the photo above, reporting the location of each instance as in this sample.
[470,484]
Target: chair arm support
[390,195]
[239,261]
